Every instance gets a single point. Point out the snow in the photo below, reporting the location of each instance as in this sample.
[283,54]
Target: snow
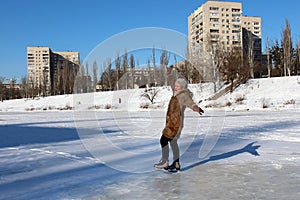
[271,94]
[241,151]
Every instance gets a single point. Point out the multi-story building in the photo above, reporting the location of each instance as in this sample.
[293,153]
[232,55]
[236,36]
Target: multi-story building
[69,55]
[251,26]
[42,65]
[213,22]
[38,66]
[220,23]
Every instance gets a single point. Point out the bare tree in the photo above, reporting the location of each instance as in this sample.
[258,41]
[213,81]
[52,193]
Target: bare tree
[12,90]
[232,67]
[287,48]
[250,53]
[268,57]
[73,74]
[95,79]
[125,69]
[24,87]
[150,94]
[132,68]
[107,75]
[66,80]
[54,85]
[297,59]
[118,69]
[164,61]
[45,83]
[155,79]
[60,87]
[149,80]
[87,79]
[2,88]
[192,61]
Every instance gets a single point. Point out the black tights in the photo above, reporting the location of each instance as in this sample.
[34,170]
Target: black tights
[164,142]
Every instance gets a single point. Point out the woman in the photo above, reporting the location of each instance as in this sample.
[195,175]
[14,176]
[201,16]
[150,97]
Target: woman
[181,99]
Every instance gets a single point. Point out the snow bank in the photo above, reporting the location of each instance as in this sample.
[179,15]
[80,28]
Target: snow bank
[262,94]
[257,94]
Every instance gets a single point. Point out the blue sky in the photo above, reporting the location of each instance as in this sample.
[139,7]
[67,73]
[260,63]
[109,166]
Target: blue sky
[82,24]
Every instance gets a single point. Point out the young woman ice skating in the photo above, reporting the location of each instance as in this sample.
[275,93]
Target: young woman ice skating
[181,99]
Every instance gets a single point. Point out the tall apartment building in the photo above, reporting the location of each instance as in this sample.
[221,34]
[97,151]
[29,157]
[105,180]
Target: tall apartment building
[42,65]
[251,26]
[222,23]
[38,66]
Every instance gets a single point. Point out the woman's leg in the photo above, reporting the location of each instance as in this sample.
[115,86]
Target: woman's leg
[175,150]
[164,142]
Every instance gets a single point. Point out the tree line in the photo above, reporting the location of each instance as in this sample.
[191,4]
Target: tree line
[283,55]
[215,64]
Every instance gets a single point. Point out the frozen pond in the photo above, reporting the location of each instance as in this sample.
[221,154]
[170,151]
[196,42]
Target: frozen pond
[109,155]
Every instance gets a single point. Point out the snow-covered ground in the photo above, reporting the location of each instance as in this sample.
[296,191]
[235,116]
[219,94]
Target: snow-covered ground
[264,94]
[241,151]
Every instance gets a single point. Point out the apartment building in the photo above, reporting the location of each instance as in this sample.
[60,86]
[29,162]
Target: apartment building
[69,55]
[220,23]
[42,65]
[251,26]
[215,21]
[38,66]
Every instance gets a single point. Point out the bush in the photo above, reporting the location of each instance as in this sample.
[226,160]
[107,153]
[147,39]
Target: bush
[107,106]
[239,100]
[228,103]
[144,105]
[265,105]
[292,101]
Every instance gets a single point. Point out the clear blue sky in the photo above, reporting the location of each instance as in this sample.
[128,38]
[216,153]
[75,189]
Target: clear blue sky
[80,25]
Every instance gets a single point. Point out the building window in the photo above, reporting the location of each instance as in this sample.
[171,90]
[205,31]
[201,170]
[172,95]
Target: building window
[214,14]
[214,26]
[236,20]
[236,15]
[214,30]
[235,10]
[214,19]
[214,8]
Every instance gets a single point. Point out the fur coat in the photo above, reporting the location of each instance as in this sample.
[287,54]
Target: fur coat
[175,114]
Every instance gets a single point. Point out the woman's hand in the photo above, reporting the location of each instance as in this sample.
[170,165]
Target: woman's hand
[198,109]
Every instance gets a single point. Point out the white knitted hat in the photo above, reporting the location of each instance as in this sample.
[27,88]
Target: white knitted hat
[182,82]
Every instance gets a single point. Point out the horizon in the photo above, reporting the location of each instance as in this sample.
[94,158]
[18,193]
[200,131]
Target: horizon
[80,26]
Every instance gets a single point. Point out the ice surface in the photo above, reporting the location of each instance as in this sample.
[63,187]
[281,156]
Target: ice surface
[256,156]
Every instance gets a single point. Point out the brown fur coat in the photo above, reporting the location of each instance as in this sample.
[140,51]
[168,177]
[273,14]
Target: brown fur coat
[175,114]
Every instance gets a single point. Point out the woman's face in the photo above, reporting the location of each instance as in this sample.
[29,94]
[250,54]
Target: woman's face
[178,87]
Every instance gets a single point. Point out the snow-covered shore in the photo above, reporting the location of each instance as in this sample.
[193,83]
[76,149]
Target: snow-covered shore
[257,94]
